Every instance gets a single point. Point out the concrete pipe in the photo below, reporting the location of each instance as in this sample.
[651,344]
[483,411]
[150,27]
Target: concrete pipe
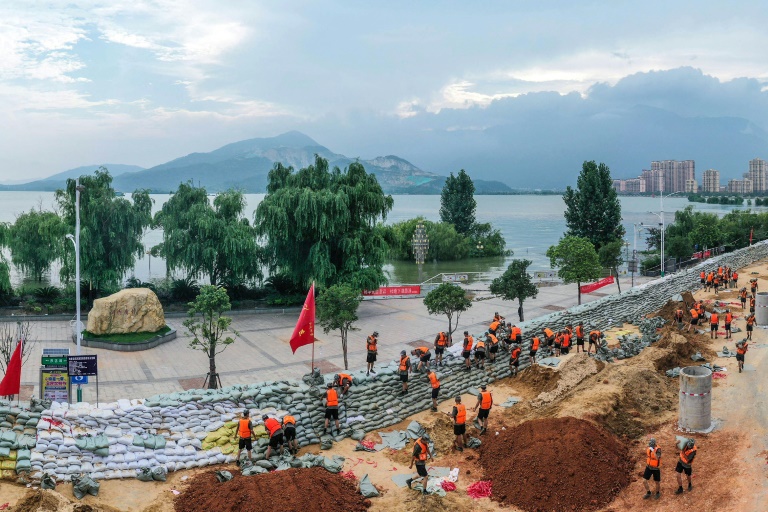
[761,308]
[695,398]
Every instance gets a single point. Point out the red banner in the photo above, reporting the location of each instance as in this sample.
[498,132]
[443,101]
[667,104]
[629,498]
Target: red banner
[701,254]
[393,290]
[588,288]
[304,332]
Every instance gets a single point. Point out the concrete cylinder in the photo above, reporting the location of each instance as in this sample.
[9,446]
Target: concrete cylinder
[761,308]
[695,398]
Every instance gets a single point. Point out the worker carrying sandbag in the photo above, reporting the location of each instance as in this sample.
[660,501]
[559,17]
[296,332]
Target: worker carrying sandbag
[687,454]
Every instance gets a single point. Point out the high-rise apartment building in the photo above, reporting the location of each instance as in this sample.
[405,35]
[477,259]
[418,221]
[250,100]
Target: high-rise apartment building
[740,186]
[634,186]
[691,187]
[676,173]
[654,180]
[711,181]
[758,174]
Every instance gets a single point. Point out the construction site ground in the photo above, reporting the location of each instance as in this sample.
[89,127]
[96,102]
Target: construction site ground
[625,402]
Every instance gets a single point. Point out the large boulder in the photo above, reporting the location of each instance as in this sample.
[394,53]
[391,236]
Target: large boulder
[129,310]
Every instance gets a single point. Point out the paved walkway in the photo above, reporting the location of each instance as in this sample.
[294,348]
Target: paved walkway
[262,352]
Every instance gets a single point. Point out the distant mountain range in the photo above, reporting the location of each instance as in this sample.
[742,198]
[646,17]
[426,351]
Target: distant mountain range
[245,165]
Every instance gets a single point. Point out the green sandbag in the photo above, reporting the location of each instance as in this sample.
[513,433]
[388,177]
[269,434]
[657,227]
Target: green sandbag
[139,441]
[145,475]
[159,442]
[81,443]
[23,454]
[253,470]
[159,473]
[82,485]
[101,452]
[223,476]
[47,482]
[101,441]
[367,489]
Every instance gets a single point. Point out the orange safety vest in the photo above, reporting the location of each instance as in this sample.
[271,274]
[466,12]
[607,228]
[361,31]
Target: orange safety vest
[480,346]
[403,365]
[371,344]
[743,294]
[710,276]
[468,341]
[566,340]
[750,320]
[461,414]
[679,313]
[720,271]
[423,350]
[548,332]
[559,339]
[332,398]
[516,331]
[272,425]
[289,420]
[442,340]
[243,429]
[694,314]
[516,352]
[753,285]
[594,335]
[343,377]
[535,343]
[433,380]
[752,302]
[685,453]
[494,339]
[703,275]
[728,318]
[743,349]
[494,325]
[579,331]
[735,276]
[487,400]
[713,319]
[652,461]
[423,451]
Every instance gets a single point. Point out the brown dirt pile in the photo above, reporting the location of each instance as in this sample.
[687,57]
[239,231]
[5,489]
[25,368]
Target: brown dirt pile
[305,490]
[440,429]
[556,464]
[681,346]
[41,501]
[540,378]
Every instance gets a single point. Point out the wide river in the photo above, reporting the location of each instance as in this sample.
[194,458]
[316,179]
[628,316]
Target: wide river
[530,224]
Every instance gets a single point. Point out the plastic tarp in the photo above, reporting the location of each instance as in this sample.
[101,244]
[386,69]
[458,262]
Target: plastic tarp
[513,400]
[549,361]
[367,489]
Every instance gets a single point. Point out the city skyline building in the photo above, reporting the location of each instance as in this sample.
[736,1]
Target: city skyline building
[710,181]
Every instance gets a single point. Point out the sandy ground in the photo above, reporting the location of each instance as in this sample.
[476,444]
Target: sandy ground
[730,472]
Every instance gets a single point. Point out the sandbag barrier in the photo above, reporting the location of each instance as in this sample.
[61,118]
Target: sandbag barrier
[197,428]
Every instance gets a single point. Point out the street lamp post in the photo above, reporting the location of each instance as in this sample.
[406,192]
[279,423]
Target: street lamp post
[76,240]
[663,227]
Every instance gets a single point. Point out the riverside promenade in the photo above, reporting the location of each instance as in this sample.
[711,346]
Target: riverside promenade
[262,352]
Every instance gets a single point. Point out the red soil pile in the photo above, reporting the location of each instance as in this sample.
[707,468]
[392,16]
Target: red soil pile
[305,490]
[554,465]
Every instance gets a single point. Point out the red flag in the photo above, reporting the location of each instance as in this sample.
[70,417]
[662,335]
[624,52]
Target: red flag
[304,332]
[11,383]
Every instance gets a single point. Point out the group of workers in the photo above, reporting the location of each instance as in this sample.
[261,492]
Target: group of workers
[724,277]
[653,467]
[282,435]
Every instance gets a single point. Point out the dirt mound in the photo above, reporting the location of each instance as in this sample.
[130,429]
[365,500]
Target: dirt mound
[572,373]
[41,501]
[440,429]
[293,489]
[540,378]
[681,346]
[556,464]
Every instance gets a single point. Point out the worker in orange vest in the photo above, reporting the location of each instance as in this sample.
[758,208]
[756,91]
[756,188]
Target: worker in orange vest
[535,344]
[750,325]
[435,388]
[549,337]
[484,402]
[245,434]
[716,283]
[276,439]
[714,324]
[331,402]
[372,347]
[343,381]
[580,337]
[684,465]
[467,350]
[480,352]
[741,350]
[404,369]
[703,277]
[459,415]
[565,346]
[558,342]
[752,303]
[514,360]
[678,316]
[652,468]
[515,335]
[743,297]
[495,324]
[493,346]
[594,340]
[424,356]
[753,286]
[289,432]
[728,320]
[734,279]
[694,318]
[420,456]
[441,341]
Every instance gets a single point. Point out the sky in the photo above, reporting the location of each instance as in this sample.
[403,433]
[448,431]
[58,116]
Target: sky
[145,81]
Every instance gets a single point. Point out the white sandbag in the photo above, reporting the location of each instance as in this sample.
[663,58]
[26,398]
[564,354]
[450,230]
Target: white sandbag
[112,432]
[43,425]
[190,464]
[125,439]
[117,448]
[87,467]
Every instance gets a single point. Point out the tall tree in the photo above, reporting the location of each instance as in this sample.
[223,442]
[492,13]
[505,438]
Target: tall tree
[321,224]
[337,309]
[457,202]
[208,326]
[111,229]
[449,300]
[515,283]
[593,210]
[576,260]
[611,258]
[201,238]
[36,241]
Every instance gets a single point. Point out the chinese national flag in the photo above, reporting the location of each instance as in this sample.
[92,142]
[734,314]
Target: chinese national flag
[11,383]
[304,332]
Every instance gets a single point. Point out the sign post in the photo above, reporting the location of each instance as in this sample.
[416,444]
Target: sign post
[80,368]
[54,381]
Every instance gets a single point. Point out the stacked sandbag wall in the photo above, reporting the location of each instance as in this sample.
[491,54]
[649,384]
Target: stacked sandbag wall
[198,427]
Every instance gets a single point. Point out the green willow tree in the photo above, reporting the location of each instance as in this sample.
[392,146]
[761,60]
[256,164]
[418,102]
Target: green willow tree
[36,240]
[337,310]
[201,238]
[321,224]
[593,210]
[111,229]
[576,261]
[457,202]
[515,284]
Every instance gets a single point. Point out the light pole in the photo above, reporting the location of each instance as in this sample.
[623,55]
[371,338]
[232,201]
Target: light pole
[661,217]
[76,240]
[420,245]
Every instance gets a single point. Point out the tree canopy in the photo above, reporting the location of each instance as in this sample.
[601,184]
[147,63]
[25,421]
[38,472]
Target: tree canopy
[515,284]
[36,240]
[457,202]
[593,210]
[337,310]
[111,229]
[201,238]
[321,224]
[449,300]
[576,260]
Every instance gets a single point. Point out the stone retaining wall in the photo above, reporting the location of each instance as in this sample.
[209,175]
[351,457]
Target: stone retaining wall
[197,428]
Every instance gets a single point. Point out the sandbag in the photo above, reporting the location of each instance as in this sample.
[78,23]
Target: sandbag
[253,470]
[47,482]
[159,473]
[367,489]
[223,476]
[145,475]
[82,485]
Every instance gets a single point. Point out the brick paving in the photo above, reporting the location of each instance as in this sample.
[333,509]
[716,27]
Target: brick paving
[262,351]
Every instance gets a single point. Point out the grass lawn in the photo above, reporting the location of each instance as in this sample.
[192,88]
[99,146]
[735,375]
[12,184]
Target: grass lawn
[134,337]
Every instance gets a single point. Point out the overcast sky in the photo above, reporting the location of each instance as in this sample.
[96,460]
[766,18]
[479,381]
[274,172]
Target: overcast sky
[142,82]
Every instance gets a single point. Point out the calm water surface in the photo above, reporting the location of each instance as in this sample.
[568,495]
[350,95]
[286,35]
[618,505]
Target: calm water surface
[530,224]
